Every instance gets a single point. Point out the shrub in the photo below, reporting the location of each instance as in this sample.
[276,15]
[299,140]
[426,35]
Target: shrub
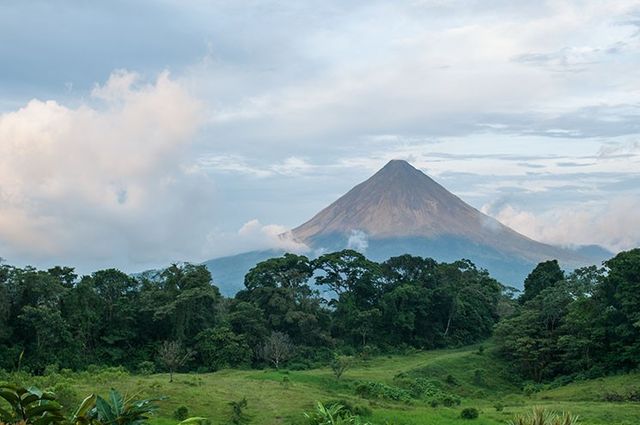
[541,416]
[238,416]
[427,390]
[350,408]
[332,415]
[66,396]
[181,413]
[379,390]
[499,407]
[613,397]
[530,389]
[634,395]
[469,413]
[146,368]
[340,364]
[51,369]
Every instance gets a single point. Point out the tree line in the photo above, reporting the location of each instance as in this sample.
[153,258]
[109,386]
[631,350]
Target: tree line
[292,309]
[582,324]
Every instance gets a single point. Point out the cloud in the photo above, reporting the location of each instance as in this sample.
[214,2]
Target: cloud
[358,240]
[255,235]
[615,225]
[291,166]
[103,179]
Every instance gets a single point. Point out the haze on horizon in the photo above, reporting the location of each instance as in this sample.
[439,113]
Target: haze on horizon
[134,134]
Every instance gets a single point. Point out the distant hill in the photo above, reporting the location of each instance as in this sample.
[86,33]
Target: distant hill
[402,210]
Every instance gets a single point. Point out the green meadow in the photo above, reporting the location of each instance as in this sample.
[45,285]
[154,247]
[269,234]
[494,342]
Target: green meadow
[281,397]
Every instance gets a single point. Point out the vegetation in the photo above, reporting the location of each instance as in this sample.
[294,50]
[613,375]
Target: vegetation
[541,416]
[292,309]
[389,342]
[583,325]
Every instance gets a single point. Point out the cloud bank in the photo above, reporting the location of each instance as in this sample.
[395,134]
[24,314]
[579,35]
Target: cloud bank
[615,226]
[103,179]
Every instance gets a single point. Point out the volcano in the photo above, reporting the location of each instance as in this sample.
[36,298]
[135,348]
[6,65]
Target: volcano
[401,210]
[400,202]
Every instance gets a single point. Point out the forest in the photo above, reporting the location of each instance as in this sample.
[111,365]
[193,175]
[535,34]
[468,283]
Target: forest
[300,313]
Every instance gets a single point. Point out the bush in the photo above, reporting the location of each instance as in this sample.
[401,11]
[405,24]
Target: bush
[426,389]
[541,416]
[66,396]
[499,407]
[613,397]
[469,413]
[530,389]
[334,414]
[51,369]
[181,413]
[350,408]
[379,390]
[451,380]
[146,368]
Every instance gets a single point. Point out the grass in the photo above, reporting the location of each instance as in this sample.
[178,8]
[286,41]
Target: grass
[280,397]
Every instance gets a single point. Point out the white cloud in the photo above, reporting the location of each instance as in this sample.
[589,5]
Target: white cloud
[615,225]
[291,166]
[358,240]
[255,235]
[104,179]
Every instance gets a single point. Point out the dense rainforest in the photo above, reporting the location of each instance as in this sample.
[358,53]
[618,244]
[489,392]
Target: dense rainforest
[300,312]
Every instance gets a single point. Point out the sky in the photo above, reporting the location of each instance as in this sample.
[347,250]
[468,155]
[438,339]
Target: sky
[138,133]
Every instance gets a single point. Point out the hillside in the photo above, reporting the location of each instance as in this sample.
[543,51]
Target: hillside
[281,397]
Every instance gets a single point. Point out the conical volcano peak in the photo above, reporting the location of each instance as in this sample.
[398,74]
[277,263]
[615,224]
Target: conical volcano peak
[398,167]
[398,200]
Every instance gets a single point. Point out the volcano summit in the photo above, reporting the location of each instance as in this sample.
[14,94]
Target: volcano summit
[401,210]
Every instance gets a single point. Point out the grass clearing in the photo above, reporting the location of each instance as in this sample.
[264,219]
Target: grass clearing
[280,397]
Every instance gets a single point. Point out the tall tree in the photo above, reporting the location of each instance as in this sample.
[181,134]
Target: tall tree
[545,274]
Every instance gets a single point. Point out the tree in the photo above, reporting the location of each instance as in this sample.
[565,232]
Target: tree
[543,276]
[220,347]
[340,364]
[277,348]
[173,356]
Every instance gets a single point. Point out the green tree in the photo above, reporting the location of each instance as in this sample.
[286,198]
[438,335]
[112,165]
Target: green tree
[545,274]
[220,347]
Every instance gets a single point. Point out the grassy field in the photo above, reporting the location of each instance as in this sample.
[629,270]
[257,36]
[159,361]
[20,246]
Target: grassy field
[280,397]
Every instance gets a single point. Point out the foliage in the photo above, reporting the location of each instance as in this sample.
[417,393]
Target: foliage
[541,416]
[181,413]
[469,413]
[332,415]
[121,410]
[114,319]
[238,416]
[340,364]
[30,405]
[220,347]
[378,390]
[585,323]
